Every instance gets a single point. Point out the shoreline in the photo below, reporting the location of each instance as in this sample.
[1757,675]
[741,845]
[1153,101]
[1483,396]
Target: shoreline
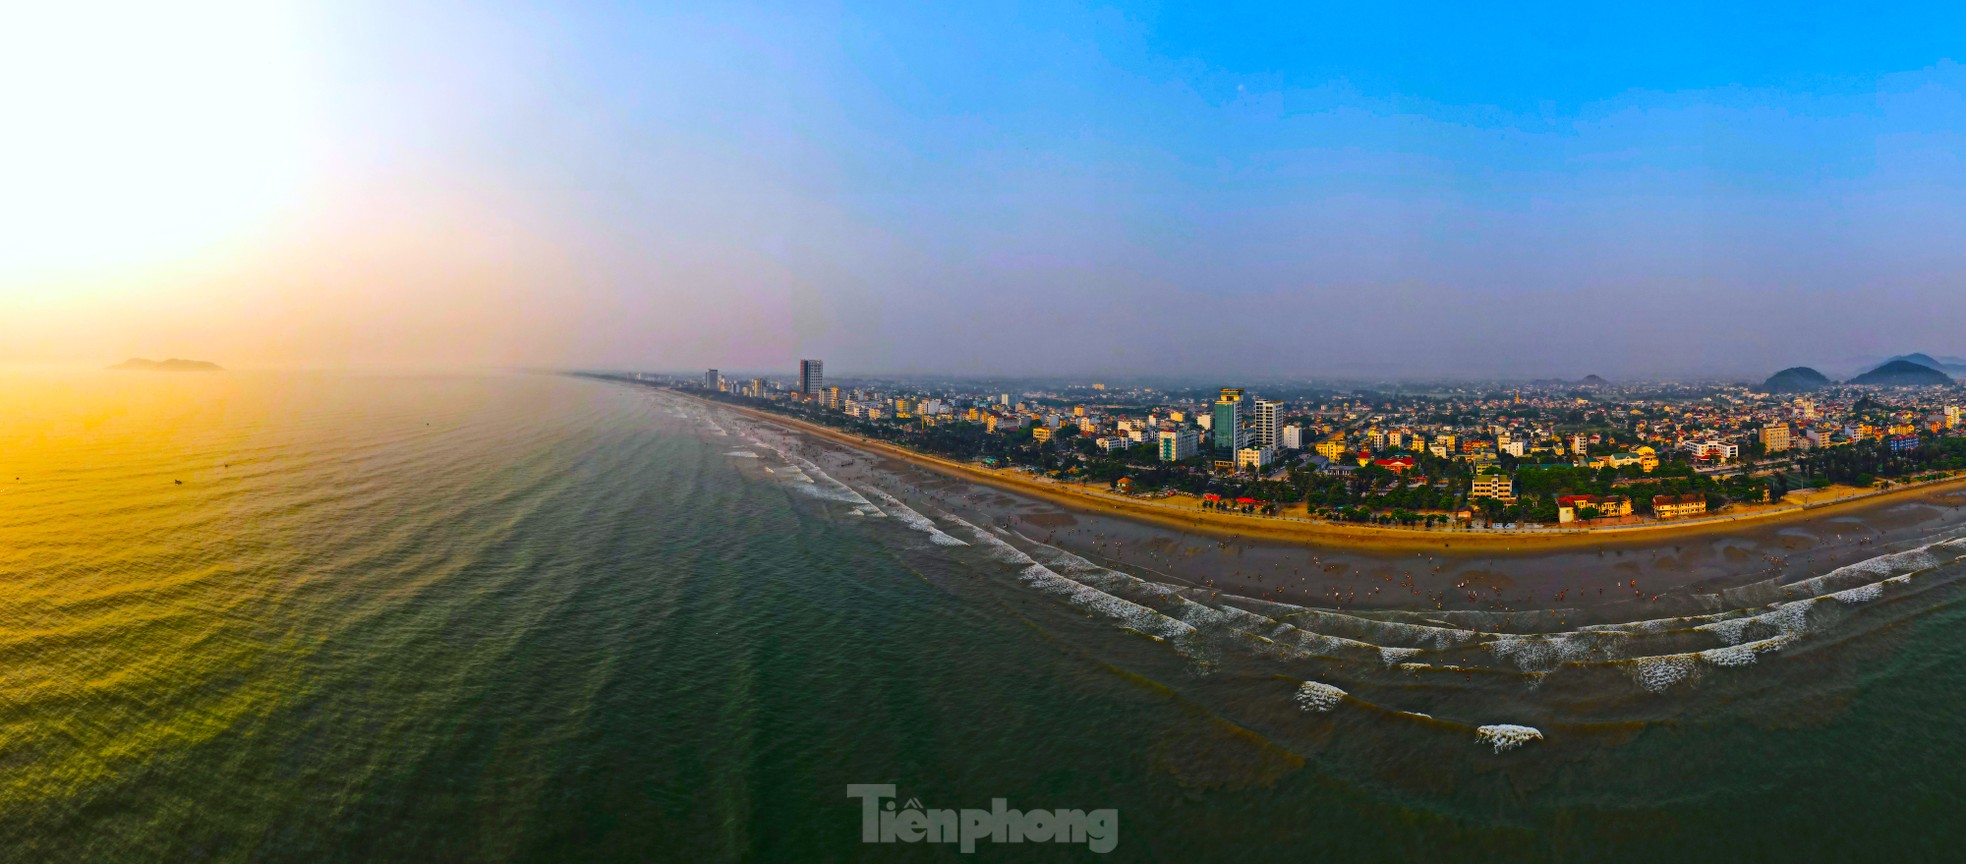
[1358,538]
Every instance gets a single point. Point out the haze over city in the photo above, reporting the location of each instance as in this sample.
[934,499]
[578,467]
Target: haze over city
[1057,190]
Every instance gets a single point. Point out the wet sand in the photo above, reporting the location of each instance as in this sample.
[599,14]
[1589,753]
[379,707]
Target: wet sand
[1537,582]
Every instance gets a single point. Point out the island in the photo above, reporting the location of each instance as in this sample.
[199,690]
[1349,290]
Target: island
[138,364]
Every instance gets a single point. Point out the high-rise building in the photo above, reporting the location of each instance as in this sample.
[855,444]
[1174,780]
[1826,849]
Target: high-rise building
[1293,437]
[812,378]
[1266,427]
[1952,416]
[712,380]
[1775,437]
[832,397]
[1229,416]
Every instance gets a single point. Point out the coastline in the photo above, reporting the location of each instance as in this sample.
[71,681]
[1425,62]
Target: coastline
[1361,537]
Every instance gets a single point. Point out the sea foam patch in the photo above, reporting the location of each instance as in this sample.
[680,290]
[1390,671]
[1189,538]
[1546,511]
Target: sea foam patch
[1507,736]
[1319,697]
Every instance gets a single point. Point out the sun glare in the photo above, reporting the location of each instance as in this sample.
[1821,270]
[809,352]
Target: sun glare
[137,132]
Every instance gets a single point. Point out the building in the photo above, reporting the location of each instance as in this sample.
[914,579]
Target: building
[831,398]
[712,380]
[1952,416]
[1902,443]
[1500,487]
[1712,449]
[1115,442]
[1264,430]
[1176,445]
[1397,464]
[1228,417]
[812,378]
[1568,507]
[1675,506]
[1332,447]
[1254,458]
[1776,437]
[1293,437]
[1041,433]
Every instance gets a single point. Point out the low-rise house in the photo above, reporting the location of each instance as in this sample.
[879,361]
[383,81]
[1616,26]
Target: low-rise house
[1676,506]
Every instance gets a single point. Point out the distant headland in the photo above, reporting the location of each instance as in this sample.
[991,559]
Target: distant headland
[138,364]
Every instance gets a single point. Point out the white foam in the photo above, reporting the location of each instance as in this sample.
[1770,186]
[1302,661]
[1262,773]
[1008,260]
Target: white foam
[742,454]
[1730,631]
[1860,594]
[1659,673]
[1507,736]
[1745,654]
[907,516]
[1127,612]
[1394,656]
[1318,696]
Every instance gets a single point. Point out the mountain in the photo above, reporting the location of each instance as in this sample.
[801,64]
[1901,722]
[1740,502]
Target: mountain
[1950,365]
[1903,373]
[138,364]
[1592,381]
[1924,360]
[1795,379]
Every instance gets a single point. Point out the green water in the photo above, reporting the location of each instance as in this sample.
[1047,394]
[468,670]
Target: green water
[531,618]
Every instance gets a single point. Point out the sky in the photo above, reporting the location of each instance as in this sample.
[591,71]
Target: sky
[1280,190]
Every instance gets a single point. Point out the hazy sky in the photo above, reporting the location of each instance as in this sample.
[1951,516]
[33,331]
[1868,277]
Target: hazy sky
[1280,188]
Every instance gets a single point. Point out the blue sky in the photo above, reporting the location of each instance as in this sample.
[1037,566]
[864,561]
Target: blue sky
[1227,188]
[1407,189]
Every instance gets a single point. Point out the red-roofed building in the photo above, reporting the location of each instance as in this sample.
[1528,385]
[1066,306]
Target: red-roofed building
[1397,464]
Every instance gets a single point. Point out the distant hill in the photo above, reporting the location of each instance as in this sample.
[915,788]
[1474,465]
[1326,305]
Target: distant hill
[138,364]
[1592,381]
[1903,373]
[1796,379]
[1929,362]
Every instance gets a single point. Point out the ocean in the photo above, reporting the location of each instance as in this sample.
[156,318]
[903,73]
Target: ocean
[517,617]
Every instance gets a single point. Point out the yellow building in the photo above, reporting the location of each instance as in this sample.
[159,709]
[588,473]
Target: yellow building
[1500,487]
[1607,507]
[1331,448]
[1648,459]
[1675,506]
[1041,432]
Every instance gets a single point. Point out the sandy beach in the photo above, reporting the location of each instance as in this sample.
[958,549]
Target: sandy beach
[1807,507]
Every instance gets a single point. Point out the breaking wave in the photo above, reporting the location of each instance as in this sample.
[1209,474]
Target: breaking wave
[1506,737]
[907,516]
[1318,697]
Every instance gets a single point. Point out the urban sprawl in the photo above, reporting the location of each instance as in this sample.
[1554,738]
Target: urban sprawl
[1542,455]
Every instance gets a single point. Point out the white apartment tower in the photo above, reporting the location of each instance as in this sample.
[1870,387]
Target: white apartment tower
[1267,426]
